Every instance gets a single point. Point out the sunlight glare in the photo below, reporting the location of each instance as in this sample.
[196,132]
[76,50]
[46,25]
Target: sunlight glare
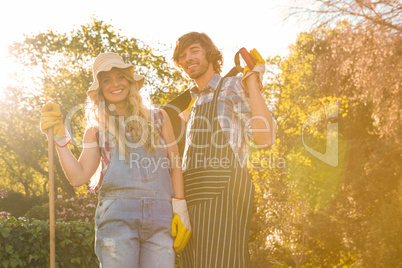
[4,75]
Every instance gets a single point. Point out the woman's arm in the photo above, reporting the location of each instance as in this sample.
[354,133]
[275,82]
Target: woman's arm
[80,171]
[173,154]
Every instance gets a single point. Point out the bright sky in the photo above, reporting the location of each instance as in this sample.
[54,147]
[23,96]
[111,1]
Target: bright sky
[230,24]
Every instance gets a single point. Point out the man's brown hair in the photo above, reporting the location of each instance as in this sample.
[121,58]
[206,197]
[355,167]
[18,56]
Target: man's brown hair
[212,52]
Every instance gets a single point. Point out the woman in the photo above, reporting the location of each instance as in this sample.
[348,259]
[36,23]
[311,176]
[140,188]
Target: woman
[139,166]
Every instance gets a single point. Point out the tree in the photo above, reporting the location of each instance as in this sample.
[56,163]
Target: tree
[365,66]
[313,214]
[382,13]
[363,63]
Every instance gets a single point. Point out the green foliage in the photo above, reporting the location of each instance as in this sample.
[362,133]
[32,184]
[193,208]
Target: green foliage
[4,215]
[39,212]
[80,208]
[18,204]
[25,243]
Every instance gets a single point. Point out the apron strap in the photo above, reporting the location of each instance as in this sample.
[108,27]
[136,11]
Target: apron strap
[237,69]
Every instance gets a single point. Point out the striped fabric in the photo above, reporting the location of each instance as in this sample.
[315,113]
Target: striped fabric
[218,192]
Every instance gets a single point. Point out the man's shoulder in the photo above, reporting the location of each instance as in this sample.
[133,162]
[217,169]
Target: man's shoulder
[231,79]
[232,84]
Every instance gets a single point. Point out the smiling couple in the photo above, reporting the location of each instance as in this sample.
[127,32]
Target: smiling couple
[203,212]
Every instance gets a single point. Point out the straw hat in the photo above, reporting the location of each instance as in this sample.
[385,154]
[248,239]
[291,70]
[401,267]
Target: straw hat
[105,62]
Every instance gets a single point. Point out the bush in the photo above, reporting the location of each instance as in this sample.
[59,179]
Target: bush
[81,208]
[25,243]
[39,212]
[4,215]
[3,193]
[17,203]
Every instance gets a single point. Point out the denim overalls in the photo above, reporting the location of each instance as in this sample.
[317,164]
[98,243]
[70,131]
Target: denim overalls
[134,213]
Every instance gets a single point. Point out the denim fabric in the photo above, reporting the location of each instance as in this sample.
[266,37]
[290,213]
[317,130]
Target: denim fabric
[134,213]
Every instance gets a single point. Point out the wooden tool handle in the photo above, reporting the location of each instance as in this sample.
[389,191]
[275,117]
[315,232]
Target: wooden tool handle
[51,199]
[247,58]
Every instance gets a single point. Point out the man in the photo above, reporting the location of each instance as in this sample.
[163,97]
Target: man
[226,114]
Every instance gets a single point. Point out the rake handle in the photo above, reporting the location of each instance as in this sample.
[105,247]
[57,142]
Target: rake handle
[51,199]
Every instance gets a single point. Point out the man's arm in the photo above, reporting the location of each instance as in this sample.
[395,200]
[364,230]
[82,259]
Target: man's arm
[262,124]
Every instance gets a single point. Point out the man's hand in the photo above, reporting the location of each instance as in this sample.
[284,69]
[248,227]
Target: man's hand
[181,227]
[258,69]
[51,117]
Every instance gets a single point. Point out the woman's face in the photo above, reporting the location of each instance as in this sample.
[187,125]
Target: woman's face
[115,86]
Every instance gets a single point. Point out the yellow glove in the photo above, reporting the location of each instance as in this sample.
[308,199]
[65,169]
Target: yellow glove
[181,227]
[51,117]
[259,68]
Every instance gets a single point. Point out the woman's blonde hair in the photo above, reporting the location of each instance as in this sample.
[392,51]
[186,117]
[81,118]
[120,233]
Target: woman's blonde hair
[139,124]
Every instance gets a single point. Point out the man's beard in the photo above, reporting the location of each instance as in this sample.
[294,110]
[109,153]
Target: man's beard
[201,72]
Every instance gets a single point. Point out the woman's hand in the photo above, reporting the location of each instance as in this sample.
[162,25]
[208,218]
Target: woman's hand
[51,117]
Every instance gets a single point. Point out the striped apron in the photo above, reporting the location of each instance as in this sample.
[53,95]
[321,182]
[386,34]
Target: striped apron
[218,192]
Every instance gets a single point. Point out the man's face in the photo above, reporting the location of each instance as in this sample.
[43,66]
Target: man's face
[193,61]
